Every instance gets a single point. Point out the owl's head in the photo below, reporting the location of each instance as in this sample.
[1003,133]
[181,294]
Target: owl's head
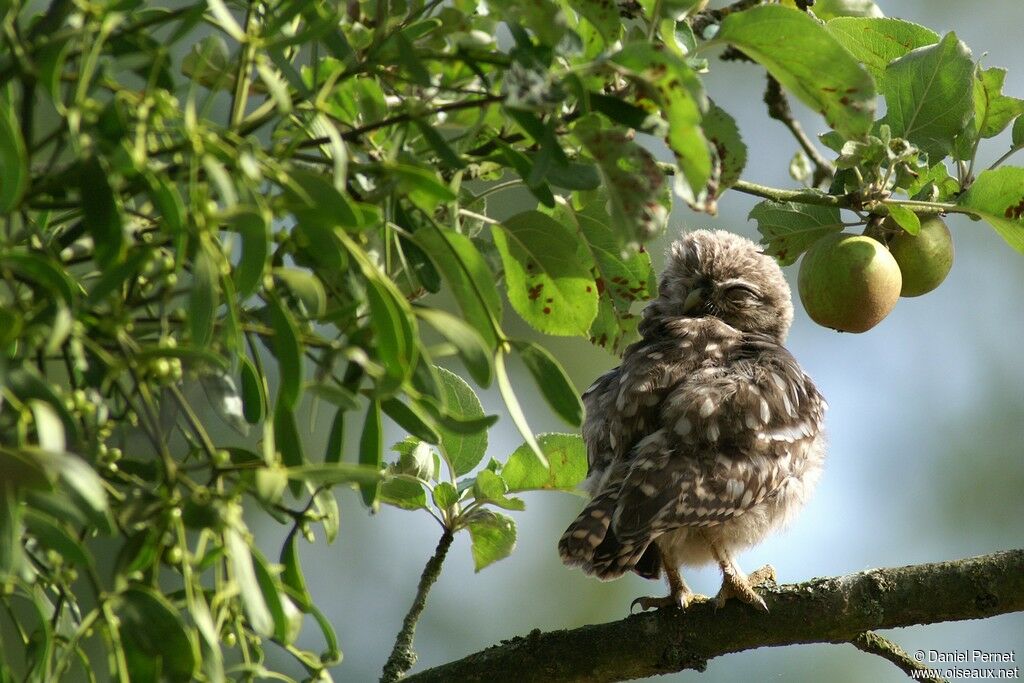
[724,275]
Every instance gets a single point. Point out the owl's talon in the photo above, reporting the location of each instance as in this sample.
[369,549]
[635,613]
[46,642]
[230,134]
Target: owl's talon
[646,603]
[737,586]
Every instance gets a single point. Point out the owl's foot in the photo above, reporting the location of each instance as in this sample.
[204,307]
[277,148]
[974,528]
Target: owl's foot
[679,594]
[735,585]
[680,601]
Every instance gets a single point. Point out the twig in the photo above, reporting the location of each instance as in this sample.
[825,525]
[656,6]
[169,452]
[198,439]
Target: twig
[1000,160]
[874,644]
[778,109]
[829,610]
[402,655]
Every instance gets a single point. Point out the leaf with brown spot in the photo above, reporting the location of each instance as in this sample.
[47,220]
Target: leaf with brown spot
[563,273]
[998,197]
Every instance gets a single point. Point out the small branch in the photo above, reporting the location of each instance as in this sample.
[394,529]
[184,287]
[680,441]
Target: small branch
[356,133]
[829,610]
[778,109]
[402,655]
[874,644]
[998,162]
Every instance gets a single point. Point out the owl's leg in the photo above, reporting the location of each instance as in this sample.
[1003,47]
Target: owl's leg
[679,594]
[735,584]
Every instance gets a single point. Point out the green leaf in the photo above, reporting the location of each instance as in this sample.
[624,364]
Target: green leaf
[293,576]
[567,465]
[543,17]
[493,535]
[905,218]
[993,111]
[240,559]
[416,458]
[1017,135]
[998,197]
[13,159]
[790,228]
[313,199]
[12,554]
[554,384]
[113,278]
[396,343]
[515,411]
[100,213]
[829,9]
[943,185]
[306,288]
[204,296]
[445,154]
[326,508]
[622,277]
[928,94]
[547,274]
[156,628]
[43,272]
[82,479]
[445,496]
[288,442]
[371,452]
[270,588]
[329,474]
[254,228]
[462,451]
[469,278]
[254,398]
[681,100]
[467,341]
[288,351]
[53,534]
[491,488]
[403,494]
[878,42]
[729,149]
[336,437]
[793,47]
[421,186]
[638,196]
[411,419]
[26,384]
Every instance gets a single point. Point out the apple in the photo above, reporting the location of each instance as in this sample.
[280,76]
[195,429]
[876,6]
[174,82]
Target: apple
[925,258]
[849,282]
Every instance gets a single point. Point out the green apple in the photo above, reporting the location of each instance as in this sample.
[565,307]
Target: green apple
[849,282]
[924,258]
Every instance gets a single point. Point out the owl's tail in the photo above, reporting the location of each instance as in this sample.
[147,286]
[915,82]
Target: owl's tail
[590,544]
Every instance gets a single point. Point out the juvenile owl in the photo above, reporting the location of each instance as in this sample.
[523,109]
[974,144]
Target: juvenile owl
[708,436]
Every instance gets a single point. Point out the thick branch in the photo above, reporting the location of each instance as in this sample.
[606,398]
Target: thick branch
[830,610]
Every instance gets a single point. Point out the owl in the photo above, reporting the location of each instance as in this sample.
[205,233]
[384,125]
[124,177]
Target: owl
[708,436]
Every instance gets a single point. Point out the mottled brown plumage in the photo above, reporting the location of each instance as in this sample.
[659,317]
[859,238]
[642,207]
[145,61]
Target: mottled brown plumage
[709,435]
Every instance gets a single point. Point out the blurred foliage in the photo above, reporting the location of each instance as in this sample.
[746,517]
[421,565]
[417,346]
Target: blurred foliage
[260,199]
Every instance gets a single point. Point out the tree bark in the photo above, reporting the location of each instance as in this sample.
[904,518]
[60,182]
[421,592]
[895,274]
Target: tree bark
[823,610]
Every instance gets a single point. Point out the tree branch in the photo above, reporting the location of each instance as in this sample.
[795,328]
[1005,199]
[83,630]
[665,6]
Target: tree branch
[402,655]
[778,109]
[828,610]
[874,644]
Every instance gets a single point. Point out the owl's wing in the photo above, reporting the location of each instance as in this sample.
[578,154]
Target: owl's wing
[623,404]
[729,437]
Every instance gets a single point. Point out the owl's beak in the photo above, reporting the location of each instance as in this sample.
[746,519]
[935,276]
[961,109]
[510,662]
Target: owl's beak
[693,300]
